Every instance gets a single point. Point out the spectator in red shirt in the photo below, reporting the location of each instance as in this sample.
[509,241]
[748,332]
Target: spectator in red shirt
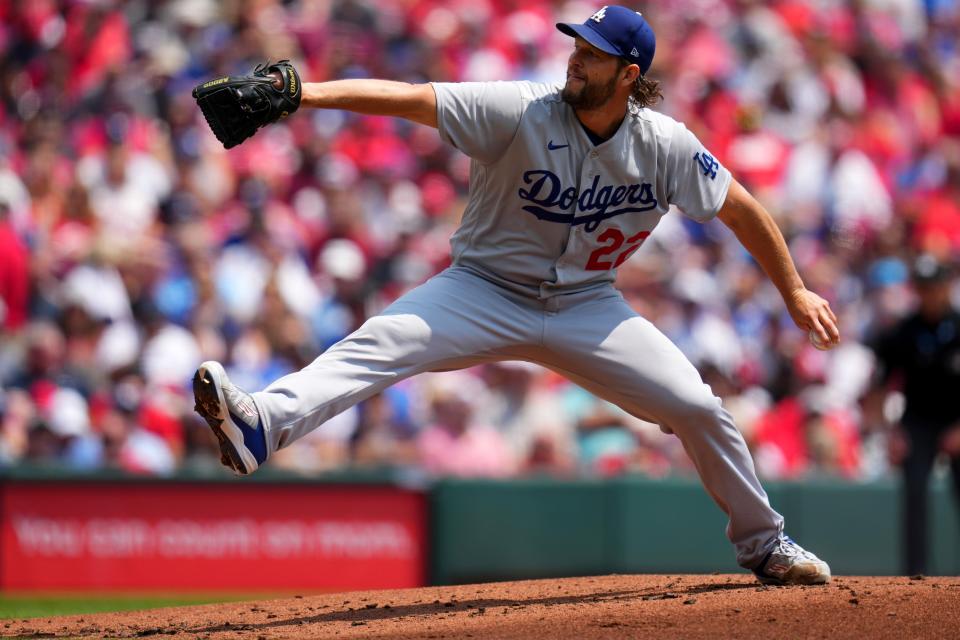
[14,274]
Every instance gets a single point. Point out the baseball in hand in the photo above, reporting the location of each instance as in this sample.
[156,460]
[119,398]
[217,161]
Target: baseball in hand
[818,343]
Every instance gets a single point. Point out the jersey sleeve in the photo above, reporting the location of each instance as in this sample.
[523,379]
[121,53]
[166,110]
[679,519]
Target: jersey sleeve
[479,118]
[695,180]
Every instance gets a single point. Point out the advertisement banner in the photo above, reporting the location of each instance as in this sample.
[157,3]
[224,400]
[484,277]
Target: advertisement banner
[217,537]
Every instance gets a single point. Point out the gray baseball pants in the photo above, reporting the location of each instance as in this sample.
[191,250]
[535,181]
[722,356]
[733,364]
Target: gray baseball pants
[458,319]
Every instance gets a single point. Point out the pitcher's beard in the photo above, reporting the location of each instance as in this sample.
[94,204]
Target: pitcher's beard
[590,96]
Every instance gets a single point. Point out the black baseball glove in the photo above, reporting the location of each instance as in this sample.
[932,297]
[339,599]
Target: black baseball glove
[236,106]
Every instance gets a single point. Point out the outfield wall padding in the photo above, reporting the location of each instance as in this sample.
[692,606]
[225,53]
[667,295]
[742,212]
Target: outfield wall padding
[110,531]
[538,528]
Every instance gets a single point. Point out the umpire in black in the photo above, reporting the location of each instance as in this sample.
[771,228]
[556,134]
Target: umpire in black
[920,355]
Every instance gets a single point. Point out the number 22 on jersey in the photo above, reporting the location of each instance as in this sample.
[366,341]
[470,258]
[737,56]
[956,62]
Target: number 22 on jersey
[613,240]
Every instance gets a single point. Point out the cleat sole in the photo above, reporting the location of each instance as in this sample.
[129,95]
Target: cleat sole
[208,406]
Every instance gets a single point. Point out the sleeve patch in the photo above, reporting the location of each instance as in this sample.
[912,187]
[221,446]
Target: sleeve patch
[708,166]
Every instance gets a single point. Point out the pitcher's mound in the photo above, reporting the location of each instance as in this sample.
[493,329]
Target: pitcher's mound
[644,606]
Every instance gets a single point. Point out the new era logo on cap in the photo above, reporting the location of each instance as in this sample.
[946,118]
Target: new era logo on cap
[618,31]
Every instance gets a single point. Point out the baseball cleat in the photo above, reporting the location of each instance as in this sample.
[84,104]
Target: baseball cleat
[232,417]
[788,563]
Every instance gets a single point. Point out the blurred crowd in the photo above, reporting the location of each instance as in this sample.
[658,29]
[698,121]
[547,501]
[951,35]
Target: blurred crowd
[132,246]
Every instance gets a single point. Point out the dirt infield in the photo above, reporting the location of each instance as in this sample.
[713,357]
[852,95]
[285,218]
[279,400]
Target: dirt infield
[687,606]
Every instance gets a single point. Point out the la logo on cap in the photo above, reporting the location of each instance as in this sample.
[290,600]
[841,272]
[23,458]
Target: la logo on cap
[599,15]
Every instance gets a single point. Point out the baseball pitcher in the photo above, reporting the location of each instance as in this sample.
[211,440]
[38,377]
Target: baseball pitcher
[567,181]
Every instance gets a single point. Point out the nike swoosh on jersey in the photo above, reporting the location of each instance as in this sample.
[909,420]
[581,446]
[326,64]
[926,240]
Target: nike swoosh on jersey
[554,147]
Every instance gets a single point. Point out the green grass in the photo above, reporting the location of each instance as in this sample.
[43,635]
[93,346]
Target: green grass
[45,606]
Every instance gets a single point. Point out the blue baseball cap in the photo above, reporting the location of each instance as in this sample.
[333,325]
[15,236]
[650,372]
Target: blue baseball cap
[618,31]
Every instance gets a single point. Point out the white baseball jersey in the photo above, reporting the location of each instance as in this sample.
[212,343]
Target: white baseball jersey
[551,213]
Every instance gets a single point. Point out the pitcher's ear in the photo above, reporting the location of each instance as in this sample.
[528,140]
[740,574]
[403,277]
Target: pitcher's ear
[631,72]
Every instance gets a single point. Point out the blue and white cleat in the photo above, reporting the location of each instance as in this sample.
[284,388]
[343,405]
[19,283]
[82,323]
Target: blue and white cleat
[788,563]
[232,417]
